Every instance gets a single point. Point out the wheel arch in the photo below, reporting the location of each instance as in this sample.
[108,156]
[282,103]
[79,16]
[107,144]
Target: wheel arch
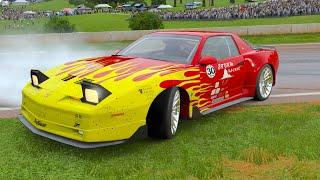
[273,73]
[184,104]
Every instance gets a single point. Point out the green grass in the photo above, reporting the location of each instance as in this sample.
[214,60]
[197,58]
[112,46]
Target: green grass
[100,22]
[284,38]
[53,5]
[111,22]
[244,141]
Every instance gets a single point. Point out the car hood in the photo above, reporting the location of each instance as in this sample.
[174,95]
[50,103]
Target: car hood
[111,72]
[116,68]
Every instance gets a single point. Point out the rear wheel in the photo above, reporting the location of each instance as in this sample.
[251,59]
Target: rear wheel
[264,83]
[163,118]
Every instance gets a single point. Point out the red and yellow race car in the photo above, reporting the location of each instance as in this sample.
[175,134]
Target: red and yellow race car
[151,84]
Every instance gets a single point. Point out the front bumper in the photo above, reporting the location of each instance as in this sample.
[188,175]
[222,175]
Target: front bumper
[64,140]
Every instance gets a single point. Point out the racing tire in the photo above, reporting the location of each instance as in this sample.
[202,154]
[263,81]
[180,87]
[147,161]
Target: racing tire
[164,114]
[264,83]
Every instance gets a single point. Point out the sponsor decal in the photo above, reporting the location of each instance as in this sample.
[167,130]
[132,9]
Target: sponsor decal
[211,72]
[219,99]
[225,65]
[117,114]
[39,123]
[76,124]
[226,95]
[215,91]
[216,85]
[234,69]
[226,74]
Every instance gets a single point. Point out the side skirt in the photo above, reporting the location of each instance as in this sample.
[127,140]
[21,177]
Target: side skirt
[222,106]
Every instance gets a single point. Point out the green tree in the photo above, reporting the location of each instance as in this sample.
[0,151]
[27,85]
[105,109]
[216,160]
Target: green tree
[158,2]
[145,21]
[212,3]
[77,2]
[59,25]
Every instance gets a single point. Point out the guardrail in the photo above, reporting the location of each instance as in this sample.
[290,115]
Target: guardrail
[133,35]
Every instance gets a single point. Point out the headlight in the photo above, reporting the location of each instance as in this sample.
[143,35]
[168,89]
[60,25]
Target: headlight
[37,78]
[93,93]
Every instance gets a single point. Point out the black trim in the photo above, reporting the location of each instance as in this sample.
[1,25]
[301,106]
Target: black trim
[102,92]
[225,105]
[69,77]
[41,77]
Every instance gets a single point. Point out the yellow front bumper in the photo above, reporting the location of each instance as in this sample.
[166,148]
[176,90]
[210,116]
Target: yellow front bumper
[60,124]
[64,140]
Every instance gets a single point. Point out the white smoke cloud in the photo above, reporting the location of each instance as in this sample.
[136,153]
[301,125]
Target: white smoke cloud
[16,61]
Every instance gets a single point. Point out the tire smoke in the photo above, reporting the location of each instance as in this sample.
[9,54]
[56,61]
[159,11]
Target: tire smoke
[16,61]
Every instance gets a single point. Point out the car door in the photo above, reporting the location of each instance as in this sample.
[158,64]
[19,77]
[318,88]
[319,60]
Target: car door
[228,79]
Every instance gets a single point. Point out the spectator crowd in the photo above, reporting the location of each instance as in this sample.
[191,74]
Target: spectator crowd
[272,8]
[20,17]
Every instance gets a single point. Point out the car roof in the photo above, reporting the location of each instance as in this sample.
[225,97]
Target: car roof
[194,33]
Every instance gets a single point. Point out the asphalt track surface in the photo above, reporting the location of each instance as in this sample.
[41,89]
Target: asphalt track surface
[298,77]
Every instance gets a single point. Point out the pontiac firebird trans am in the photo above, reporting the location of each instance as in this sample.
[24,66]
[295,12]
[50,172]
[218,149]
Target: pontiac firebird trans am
[151,84]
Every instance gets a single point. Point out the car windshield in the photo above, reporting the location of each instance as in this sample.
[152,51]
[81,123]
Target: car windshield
[172,48]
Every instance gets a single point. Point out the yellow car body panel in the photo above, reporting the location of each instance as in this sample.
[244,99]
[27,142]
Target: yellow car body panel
[56,106]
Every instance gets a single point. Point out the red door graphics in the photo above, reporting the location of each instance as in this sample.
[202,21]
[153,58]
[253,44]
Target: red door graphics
[223,81]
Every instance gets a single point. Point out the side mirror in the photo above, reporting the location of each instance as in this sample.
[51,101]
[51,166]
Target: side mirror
[206,60]
[116,51]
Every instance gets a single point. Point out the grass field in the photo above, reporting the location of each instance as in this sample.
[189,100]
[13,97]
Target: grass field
[53,5]
[284,38]
[112,22]
[278,141]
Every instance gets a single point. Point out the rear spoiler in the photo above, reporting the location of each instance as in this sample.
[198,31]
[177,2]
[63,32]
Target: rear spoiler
[264,47]
[260,47]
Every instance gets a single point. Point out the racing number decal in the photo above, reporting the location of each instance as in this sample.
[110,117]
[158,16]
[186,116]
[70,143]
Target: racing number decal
[211,72]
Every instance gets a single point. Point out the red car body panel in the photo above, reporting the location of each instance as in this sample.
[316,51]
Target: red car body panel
[246,68]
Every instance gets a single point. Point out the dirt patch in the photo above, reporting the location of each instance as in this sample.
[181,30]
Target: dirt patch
[283,167]
[9,113]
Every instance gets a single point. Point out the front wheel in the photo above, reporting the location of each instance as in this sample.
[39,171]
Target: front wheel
[264,83]
[165,114]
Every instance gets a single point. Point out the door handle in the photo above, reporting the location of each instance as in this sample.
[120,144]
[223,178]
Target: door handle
[240,63]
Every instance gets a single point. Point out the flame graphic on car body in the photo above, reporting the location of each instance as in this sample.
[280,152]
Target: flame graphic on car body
[139,69]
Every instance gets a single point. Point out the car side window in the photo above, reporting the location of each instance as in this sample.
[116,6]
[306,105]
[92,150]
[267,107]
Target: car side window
[232,46]
[220,47]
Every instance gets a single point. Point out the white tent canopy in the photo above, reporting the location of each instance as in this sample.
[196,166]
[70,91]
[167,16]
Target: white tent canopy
[29,13]
[4,3]
[163,6]
[102,6]
[20,2]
